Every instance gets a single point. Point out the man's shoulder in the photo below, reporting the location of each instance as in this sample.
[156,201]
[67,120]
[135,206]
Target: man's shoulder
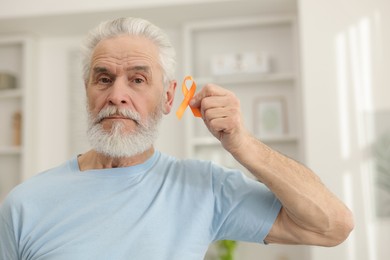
[63,168]
[184,163]
[37,184]
[196,168]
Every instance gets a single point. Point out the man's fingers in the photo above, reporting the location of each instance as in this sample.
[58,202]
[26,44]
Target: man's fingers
[207,91]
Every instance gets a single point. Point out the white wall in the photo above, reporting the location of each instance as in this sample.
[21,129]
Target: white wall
[21,8]
[52,100]
[345,61]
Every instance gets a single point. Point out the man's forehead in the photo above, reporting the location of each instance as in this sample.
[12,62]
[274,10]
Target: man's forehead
[126,44]
[132,53]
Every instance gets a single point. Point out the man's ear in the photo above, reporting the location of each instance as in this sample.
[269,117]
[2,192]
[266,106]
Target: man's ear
[169,93]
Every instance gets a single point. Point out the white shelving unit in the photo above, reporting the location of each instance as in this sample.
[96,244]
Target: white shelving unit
[16,57]
[274,35]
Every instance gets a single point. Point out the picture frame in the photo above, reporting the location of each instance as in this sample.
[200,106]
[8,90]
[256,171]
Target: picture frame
[270,117]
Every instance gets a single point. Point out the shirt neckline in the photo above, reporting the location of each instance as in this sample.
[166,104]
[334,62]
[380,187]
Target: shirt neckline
[129,170]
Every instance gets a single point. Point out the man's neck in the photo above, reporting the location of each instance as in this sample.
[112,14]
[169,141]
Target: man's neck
[93,160]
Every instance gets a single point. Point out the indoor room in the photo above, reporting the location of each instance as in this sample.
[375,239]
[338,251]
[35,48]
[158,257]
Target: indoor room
[311,77]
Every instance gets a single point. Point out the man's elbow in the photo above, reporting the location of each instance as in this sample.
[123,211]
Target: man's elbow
[343,226]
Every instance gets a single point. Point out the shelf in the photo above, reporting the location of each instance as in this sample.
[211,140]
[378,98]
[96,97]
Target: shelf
[205,141]
[281,139]
[10,150]
[212,141]
[247,79]
[10,93]
[273,35]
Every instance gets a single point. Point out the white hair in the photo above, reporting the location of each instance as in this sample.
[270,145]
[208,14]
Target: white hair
[134,27]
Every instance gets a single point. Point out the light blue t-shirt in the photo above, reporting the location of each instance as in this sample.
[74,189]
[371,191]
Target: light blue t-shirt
[165,209]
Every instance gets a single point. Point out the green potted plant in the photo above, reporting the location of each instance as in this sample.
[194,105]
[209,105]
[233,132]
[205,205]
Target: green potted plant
[226,249]
[382,160]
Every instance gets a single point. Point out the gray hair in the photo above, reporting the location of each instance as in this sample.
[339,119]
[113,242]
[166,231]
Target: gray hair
[135,27]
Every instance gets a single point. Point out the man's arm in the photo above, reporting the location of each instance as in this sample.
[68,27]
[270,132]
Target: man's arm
[311,214]
[8,246]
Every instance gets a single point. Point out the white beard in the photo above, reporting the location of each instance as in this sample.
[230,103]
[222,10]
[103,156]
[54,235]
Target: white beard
[116,143]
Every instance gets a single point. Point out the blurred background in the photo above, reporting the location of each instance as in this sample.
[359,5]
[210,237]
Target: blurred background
[312,77]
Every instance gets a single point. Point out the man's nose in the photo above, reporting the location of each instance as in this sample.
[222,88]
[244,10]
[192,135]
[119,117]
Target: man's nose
[119,93]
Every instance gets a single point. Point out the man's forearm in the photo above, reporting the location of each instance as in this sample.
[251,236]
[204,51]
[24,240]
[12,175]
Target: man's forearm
[306,200]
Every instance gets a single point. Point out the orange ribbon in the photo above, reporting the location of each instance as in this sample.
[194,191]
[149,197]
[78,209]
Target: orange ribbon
[188,94]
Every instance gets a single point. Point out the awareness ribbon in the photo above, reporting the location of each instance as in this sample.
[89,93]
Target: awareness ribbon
[188,94]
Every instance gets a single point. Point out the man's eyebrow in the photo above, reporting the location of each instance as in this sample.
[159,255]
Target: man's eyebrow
[139,68]
[100,70]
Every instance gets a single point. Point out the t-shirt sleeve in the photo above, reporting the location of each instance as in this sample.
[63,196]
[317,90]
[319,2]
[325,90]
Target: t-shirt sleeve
[244,209]
[8,248]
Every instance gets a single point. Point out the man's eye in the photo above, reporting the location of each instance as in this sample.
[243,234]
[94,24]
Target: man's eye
[138,80]
[104,80]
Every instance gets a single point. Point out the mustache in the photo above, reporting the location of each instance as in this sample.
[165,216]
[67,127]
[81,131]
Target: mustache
[114,111]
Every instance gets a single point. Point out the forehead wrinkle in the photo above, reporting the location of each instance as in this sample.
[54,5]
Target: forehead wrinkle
[136,68]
